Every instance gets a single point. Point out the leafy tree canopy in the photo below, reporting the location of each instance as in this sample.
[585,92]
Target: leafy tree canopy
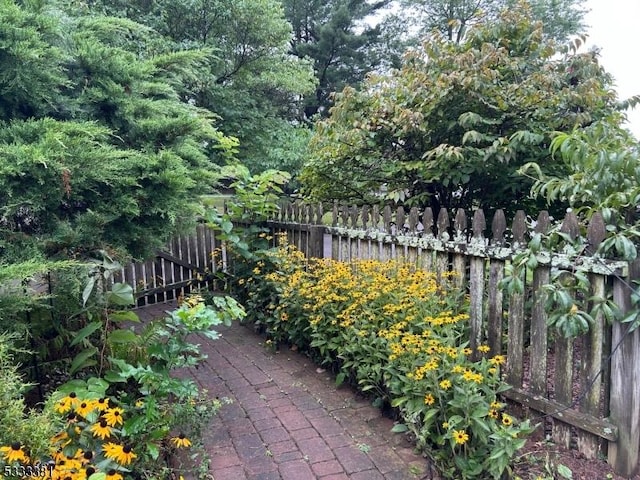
[561,19]
[253,83]
[603,161]
[98,147]
[454,124]
[335,36]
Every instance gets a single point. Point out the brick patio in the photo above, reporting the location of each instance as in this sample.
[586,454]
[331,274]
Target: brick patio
[288,420]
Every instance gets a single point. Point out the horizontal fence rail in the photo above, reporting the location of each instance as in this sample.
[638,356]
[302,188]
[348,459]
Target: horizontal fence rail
[588,388]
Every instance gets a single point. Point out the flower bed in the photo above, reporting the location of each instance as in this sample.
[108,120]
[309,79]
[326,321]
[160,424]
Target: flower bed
[394,331]
[129,422]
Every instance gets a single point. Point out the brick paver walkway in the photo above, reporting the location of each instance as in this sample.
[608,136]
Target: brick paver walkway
[288,420]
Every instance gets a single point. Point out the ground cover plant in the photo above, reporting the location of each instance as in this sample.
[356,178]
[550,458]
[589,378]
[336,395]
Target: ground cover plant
[126,422]
[397,332]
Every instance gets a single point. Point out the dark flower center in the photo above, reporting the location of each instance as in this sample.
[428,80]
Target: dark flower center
[111,472]
[72,395]
[91,470]
[182,436]
[126,449]
[83,405]
[15,446]
[87,455]
[103,423]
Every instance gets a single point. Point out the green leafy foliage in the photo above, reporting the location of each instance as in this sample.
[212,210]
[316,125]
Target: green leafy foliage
[254,201]
[336,37]
[98,147]
[251,81]
[560,18]
[603,175]
[602,161]
[18,423]
[144,408]
[454,124]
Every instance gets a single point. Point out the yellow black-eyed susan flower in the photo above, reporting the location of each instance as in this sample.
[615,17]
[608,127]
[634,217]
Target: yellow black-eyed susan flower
[181,441]
[85,408]
[506,420]
[71,463]
[102,404]
[123,454]
[61,438]
[14,452]
[460,436]
[101,429]
[113,416]
[498,360]
[63,406]
[493,413]
[67,403]
[428,399]
[113,475]
[87,456]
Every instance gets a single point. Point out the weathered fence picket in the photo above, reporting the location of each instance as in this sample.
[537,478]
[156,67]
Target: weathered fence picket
[496,274]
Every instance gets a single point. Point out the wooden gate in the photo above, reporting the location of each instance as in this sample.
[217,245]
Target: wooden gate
[187,263]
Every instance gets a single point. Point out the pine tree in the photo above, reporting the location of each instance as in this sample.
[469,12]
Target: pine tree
[99,147]
[336,36]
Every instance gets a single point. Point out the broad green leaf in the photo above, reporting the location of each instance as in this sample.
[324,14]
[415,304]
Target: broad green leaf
[564,471]
[399,428]
[124,316]
[88,288]
[396,402]
[85,332]
[83,359]
[97,385]
[122,336]
[153,450]
[121,294]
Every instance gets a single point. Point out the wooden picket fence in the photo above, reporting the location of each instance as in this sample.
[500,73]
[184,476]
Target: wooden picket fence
[188,262]
[585,390]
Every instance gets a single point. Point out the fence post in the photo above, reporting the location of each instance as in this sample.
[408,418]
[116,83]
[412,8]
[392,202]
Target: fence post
[564,351]
[476,283]
[496,274]
[592,346]
[316,241]
[539,340]
[625,378]
[515,322]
